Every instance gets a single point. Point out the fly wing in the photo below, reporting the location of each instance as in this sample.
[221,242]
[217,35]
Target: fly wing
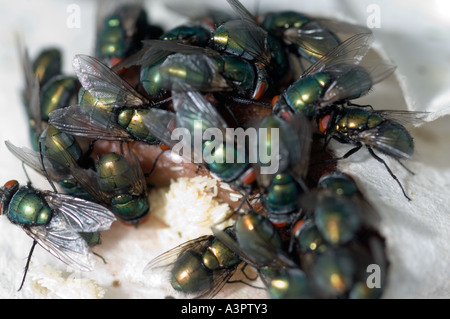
[89,121]
[387,144]
[349,80]
[169,257]
[190,103]
[104,84]
[351,51]
[80,214]
[320,36]
[198,64]
[33,159]
[63,243]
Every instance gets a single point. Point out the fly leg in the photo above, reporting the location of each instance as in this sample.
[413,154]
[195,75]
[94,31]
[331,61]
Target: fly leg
[345,156]
[379,159]
[27,264]
[247,277]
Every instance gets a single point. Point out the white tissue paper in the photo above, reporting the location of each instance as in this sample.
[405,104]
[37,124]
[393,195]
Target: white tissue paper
[413,34]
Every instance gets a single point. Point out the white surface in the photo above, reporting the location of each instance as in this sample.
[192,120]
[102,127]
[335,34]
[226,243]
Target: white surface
[415,35]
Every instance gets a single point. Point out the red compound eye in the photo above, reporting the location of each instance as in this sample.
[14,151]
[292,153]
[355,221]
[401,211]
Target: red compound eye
[323,123]
[11,184]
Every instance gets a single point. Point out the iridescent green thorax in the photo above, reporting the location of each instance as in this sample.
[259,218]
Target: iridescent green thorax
[357,119]
[133,121]
[304,95]
[219,256]
[58,92]
[27,207]
[150,78]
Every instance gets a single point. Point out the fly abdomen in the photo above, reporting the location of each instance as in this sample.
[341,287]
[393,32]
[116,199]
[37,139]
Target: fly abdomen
[401,143]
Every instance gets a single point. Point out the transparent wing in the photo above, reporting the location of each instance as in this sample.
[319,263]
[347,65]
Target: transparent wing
[161,123]
[163,265]
[347,83]
[63,243]
[32,159]
[169,257]
[388,145]
[278,258]
[189,103]
[320,36]
[89,121]
[104,84]
[88,179]
[241,10]
[351,51]
[294,143]
[81,215]
[198,64]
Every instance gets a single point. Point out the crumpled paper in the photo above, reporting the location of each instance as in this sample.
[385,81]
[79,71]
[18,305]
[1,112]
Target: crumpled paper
[415,35]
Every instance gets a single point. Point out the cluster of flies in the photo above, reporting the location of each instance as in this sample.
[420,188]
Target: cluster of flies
[313,238]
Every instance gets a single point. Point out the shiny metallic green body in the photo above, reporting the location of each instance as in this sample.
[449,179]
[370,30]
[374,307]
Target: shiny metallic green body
[307,94]
[47,65]
[257,237]
[282,195]
[57,93]
[27,207]
[114,178]
[133,121]
[198,269]
[218,165]
[310,48]
[351,124]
